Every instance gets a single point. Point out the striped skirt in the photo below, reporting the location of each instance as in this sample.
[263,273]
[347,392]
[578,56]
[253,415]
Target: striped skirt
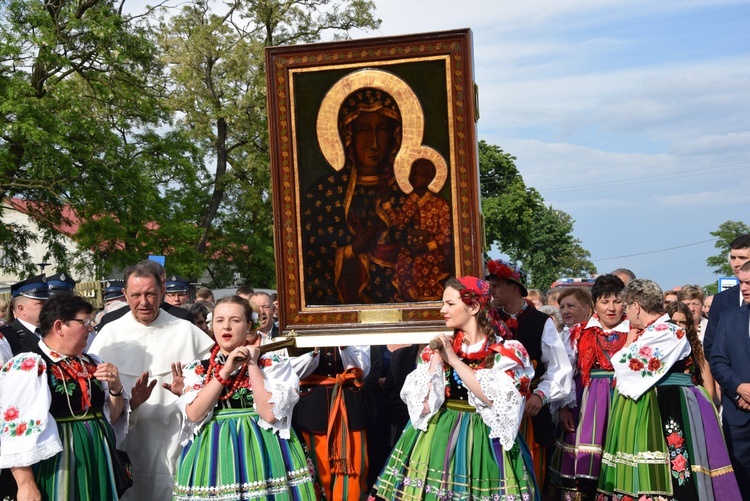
[667,443]
[83,470]
[577,460]
[233,458]
[456,460]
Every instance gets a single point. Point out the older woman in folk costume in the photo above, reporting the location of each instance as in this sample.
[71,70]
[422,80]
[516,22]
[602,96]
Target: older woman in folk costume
[350,246]
[583,416]
[466,401]
[237,406]
[553,373]
[663,439]
[61,410]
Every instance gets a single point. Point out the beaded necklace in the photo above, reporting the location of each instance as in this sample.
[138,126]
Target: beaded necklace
[237,379]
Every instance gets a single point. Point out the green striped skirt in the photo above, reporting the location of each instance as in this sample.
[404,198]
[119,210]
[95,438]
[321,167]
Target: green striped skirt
[455,459]
[233,458]
[83,470]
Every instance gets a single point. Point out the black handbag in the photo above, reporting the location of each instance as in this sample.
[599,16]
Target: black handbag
[123,471]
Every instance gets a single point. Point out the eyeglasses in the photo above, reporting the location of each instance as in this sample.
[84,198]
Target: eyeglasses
[86,322]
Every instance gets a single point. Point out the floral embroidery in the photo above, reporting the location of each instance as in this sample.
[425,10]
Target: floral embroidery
[645,360]
[678,454]
[10,413]
[15,428]
[200,370]
[27,364]
[679,333]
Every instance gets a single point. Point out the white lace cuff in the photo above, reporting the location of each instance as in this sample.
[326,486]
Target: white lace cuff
[42,451]
[283,397]
[570,401]
[504,415]
[421,385]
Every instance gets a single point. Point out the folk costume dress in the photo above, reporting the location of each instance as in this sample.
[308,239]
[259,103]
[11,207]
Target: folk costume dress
[55,418]
[663,439]
[577,459]
[232,453]
[463,449]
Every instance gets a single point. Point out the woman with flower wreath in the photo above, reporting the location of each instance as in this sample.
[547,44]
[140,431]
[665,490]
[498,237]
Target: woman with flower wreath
[663,440]
[61,410]
[237,408]
[466,399]
[583,416]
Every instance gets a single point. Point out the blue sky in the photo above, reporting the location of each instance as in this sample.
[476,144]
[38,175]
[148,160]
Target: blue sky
[631,116]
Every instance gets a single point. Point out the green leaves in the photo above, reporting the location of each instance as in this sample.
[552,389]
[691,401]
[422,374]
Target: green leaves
[519,223]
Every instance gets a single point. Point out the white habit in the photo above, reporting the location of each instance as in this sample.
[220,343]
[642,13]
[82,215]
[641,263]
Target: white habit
[153,440]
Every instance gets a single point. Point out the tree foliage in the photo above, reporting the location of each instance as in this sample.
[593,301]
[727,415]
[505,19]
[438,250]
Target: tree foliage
[80,101]
[217,84]
[519,223]
[727,231]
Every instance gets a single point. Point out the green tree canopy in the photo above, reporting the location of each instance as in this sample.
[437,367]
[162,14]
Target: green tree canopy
[519,223]
[727,231]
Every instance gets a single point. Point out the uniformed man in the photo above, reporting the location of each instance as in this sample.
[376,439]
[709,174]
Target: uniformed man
[177,290]
[28,297]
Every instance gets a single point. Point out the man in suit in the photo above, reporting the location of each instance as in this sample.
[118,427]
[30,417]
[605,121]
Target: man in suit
[28,299]
[730,365]
[739,254]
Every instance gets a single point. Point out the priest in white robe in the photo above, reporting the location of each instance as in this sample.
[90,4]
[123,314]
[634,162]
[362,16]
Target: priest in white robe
[143,345]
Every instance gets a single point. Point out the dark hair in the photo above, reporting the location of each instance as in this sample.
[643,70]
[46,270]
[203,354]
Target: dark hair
[245,289]
[741,242]
[64,307]
[692,335]
[606,285]
[240,302]
[144,269]
[204,293]
[745,267]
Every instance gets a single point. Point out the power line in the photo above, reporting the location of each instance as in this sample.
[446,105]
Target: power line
[655,251]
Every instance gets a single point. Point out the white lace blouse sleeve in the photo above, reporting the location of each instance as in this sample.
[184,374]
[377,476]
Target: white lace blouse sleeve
[641,364]
[28,432]
[502,385]
[194,375]
[421,385]
[557,381]
[281,381]
[121,426]
[356,356]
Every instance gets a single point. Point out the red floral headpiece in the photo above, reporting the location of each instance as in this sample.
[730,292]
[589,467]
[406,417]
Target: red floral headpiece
[501,269]
[475,290]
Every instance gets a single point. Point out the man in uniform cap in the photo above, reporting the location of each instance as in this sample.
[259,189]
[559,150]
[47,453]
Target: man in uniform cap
[113,291]
[28,297]
[60,283]
[177,290]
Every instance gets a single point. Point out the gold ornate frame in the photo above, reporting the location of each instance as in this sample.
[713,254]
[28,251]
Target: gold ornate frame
[431,78]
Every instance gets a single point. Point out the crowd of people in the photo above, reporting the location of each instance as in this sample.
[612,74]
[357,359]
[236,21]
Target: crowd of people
[618,391]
